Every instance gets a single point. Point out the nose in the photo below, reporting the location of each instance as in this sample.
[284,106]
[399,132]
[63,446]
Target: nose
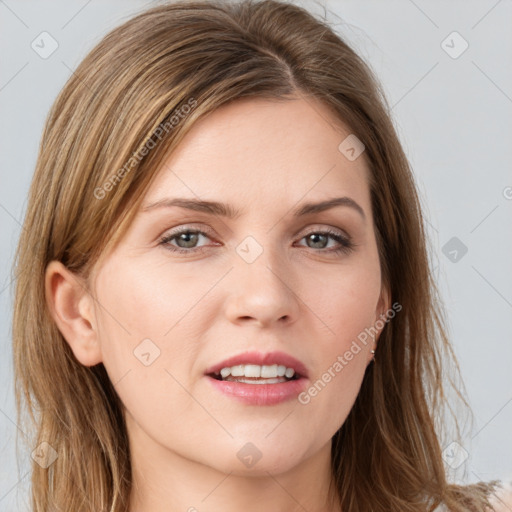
[262,293]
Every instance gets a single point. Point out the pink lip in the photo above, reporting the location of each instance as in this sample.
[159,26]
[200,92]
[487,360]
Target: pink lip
[260,394]
[279,358]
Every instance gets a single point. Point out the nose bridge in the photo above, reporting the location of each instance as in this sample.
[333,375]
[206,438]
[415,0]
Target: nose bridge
[261,287]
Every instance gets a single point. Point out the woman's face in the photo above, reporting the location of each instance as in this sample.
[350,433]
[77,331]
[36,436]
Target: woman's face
[264,281]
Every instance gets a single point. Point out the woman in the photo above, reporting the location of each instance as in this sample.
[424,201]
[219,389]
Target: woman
[228,233]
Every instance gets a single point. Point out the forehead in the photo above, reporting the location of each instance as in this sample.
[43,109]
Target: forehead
[266,151]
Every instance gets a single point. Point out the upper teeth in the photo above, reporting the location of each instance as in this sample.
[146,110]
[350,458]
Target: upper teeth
[255,370]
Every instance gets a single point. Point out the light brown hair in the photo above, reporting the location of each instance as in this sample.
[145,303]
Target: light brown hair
[88,184]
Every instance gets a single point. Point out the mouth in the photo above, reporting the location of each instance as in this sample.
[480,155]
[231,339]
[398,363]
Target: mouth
[256,374]
[259,379]
[257,367]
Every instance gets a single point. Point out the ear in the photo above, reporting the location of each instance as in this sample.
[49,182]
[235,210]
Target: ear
[71,306]
[383,306]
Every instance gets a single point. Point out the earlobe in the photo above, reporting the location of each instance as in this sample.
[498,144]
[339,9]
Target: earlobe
[71,307]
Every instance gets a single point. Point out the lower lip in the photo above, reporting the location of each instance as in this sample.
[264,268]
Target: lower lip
[260,394]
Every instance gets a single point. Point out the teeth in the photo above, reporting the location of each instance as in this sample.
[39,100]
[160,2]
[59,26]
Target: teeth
[252,370]
[237,371]
[225,372]
[257,371]
[269,372]
[289,372]
[257,381]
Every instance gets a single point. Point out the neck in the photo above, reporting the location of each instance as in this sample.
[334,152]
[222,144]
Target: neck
[164,480]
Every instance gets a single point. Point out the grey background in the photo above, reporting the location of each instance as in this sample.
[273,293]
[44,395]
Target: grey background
[453,116]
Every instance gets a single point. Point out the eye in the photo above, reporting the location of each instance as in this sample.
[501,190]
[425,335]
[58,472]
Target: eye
[186,239]
[320,239]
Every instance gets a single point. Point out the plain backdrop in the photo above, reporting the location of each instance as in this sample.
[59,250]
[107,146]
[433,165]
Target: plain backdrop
[445,68]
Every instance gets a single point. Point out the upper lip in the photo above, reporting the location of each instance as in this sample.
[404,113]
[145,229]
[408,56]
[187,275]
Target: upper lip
[260,358]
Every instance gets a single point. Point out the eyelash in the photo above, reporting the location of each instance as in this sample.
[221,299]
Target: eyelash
[347,245]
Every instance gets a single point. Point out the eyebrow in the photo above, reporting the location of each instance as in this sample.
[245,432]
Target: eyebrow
[226,210]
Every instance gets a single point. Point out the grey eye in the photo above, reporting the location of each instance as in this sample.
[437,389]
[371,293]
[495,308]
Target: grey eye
[188,239]
[319,240]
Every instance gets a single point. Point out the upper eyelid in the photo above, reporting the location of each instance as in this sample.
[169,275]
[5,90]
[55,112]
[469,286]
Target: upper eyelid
[208,230]
[346,244]
[203,229]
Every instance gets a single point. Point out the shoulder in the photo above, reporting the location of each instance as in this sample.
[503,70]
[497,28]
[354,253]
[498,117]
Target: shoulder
[502,499]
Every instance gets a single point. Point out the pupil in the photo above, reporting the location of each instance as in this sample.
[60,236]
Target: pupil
[316,236]
[183,236]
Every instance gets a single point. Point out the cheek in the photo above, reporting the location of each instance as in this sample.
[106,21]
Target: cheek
[131,323]
[342,362]
[158,300]
[134,297]
[329,399]
[345,301]
[144,334]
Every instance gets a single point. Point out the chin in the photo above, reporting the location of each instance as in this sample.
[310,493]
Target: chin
[259,455]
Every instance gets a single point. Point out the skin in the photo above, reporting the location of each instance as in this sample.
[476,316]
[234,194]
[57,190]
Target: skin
[264,158]
[502,501]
